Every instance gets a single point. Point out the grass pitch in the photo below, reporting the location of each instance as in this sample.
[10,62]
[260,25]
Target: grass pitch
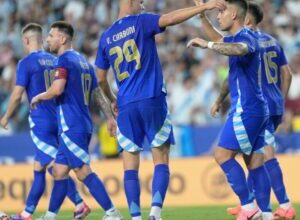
[169,213]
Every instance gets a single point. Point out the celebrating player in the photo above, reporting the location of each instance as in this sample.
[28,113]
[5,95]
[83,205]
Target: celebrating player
[129,47]
[276,80]
[74,84]
[34,74]
[245,125]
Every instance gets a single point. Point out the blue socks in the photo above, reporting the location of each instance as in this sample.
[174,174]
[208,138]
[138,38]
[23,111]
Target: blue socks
[58,195]
[160,183]
[36,191]
[276,179]
[132,191]
[72,193]
[98,191]
[262,188]
[237,180]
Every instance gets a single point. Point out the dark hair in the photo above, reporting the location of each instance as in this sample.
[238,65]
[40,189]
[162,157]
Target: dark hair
[32,27]
[242,4]
[64,27]
[256,11]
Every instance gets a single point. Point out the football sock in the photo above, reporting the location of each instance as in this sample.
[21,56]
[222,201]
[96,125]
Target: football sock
[36,191]
[262,188]
[58,195]
[276,179]
[237,180]
[132,191]
[98,191]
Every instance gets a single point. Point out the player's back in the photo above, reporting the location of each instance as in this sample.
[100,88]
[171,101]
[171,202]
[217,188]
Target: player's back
[273,58]
[73,105]
[35,74]
[244,80]
[129,47]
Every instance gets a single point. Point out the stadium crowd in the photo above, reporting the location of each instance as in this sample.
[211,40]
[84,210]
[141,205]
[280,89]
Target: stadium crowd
[193,77]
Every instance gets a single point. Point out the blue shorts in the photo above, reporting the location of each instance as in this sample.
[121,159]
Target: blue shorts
[46,144]
[144,120]
[272,125]
[73,149]
[244,133]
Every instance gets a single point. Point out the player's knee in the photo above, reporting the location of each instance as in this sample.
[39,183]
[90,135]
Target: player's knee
[58,173]
[82,173]
[269,153]
[221,155]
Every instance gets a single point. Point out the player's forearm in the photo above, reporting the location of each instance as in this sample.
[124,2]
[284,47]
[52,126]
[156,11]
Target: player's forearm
[212,33]
[179,16]
[49,94]
[100,99]
[230,49]
[107,90]
[14,102]
[286,75]
[224,92]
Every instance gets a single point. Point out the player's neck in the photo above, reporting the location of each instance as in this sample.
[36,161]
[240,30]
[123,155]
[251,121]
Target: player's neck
[64,48]
[34,48]
[236,27]
[123,12]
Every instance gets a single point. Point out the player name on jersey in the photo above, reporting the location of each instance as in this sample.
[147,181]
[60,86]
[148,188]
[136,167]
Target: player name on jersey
[121,35]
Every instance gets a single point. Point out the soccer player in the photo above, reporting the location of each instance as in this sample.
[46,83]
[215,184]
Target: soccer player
[34,75]
[245,125]
[276,79]
[74,84]
[129,47]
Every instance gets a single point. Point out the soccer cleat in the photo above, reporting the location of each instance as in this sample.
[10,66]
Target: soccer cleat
[254,214]
[285,214]
[153,218]
[20,217]
[234,210]
[115,215]
[82,213]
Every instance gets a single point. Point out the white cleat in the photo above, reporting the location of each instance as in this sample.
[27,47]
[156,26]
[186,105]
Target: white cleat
[115,215]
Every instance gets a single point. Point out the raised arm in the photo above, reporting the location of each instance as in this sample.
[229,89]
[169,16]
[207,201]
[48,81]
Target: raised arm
[212,33]
[286,76]
[13,103]
[227,49]
[181,15]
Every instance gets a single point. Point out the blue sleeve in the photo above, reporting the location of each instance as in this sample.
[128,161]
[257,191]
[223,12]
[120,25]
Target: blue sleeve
[150,24]
[22,76]
[94,78]
[282,60]
[227,39]
[102,61]
[247,39]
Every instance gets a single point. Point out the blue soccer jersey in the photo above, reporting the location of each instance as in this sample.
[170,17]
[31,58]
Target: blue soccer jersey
[35,74]
[73,105]
[244,79]
[273,58]
[129,47]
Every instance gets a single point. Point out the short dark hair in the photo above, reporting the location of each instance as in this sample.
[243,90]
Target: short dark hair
[242,4]
[64,27]
[32,27]
[256,11]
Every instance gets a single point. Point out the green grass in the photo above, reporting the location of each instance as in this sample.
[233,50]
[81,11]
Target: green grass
[175,213]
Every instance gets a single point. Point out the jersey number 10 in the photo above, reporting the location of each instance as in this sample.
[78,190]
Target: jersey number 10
[131,53]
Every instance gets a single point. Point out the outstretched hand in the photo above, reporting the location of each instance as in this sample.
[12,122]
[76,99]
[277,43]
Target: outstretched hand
[197,42]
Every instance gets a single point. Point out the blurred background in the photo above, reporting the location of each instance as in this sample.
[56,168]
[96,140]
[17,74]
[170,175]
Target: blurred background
[193,77]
